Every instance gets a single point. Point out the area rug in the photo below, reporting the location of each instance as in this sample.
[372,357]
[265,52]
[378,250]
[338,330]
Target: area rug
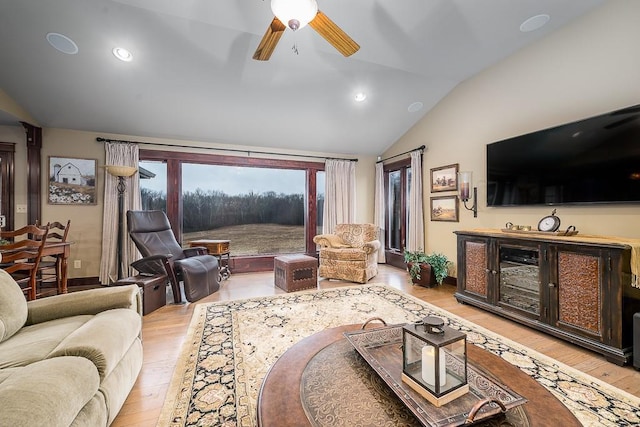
[231,345]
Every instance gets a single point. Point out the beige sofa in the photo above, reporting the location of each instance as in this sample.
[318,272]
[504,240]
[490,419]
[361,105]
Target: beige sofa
[350,253]
[67,360]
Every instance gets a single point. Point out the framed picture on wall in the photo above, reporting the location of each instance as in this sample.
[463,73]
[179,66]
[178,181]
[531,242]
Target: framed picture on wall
[444,178]
[444,208]
[72,181]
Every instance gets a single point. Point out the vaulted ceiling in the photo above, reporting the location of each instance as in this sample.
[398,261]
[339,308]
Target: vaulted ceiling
[192,76]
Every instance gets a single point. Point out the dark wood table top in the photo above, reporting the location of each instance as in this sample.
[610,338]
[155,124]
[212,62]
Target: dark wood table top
[280,404]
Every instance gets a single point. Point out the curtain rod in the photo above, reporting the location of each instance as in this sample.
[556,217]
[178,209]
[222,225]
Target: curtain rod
[421,148]
[248,152]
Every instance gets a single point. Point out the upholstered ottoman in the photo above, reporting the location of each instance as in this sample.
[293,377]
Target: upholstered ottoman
[295,272]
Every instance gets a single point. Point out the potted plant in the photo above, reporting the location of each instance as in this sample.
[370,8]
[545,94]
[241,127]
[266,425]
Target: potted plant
[426,270]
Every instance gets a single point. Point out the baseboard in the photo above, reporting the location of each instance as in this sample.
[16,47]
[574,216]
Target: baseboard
[449,280]
[83,281]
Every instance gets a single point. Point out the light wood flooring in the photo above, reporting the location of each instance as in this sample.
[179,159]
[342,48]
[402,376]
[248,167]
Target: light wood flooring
[164,331]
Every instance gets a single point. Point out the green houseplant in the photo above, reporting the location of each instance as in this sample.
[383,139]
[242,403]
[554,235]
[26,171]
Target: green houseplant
[434,266]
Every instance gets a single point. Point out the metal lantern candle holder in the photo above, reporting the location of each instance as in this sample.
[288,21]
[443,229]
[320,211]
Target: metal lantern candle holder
[434,360]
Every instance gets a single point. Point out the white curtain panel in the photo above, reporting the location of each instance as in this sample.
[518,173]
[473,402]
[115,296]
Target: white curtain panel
[340,194]
[415,233]
[379,210]
[122,154]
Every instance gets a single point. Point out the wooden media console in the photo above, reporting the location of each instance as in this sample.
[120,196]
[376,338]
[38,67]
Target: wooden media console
[577,288]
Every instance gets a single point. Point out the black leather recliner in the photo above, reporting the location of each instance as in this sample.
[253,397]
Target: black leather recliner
[152,235]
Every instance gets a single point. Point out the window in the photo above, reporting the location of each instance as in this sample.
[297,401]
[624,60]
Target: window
[397,178]
[260,209]
[264,207]
[320,186]
[153,185]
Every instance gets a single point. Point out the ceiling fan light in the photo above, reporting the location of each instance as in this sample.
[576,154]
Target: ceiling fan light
[294,13]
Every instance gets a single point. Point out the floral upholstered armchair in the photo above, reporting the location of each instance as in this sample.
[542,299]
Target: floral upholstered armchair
[350,253]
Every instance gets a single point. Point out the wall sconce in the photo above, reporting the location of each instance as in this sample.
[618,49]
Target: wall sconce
[465,180]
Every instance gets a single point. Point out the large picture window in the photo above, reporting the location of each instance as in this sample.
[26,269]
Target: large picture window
[260,209]
[264,207]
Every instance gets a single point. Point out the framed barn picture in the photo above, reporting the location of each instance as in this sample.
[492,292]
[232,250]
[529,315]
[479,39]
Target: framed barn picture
[444,208]
[444,178]
[72,181]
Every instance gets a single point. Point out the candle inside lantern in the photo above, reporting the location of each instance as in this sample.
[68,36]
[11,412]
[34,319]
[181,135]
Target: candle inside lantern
[429,363]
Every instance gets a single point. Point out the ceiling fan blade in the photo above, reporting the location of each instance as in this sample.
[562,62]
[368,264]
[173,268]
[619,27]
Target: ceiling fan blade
[269,40]
[334,34]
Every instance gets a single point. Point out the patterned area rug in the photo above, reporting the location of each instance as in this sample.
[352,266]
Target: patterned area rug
[231,345]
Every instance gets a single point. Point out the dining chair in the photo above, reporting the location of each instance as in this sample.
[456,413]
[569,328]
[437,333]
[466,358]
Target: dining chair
[21,256]
[50,267]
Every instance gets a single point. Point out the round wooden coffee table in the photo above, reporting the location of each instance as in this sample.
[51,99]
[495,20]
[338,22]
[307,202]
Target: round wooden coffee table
[280,401]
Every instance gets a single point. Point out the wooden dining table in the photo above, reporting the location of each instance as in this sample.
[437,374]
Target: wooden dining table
[61,251]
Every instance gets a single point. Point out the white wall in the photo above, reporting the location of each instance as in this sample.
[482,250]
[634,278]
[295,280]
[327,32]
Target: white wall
[590,67]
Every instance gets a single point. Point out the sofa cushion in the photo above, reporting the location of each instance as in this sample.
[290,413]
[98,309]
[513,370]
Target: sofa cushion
[13,306]
[47,393]
[346,254]
[104,339]
[36,342]
[94,413]
[116,386]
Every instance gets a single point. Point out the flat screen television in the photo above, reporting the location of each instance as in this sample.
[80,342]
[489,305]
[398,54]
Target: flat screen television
[596,160]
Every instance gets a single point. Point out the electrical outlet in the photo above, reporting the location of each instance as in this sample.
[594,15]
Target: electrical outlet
[77,263]
[21,208]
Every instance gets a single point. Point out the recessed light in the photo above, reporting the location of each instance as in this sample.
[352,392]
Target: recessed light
[122,54]
[62,43]
[534,23]
[415,106]
[360,96]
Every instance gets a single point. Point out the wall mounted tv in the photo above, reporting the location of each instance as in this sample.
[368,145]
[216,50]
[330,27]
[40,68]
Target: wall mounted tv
[596,160]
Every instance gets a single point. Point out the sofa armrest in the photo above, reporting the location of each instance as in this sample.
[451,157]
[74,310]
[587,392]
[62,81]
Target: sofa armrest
[321,240]
[91,302]
[371,247]
[330,241]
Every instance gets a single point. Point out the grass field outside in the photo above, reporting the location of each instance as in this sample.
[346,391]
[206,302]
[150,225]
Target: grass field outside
[255,239]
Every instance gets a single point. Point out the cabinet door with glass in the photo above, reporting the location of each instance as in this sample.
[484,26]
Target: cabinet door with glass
[520,275]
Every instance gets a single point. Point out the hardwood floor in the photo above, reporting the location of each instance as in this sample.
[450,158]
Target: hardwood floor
[164,331]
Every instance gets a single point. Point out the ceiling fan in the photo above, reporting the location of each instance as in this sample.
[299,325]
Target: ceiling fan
[297,14]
